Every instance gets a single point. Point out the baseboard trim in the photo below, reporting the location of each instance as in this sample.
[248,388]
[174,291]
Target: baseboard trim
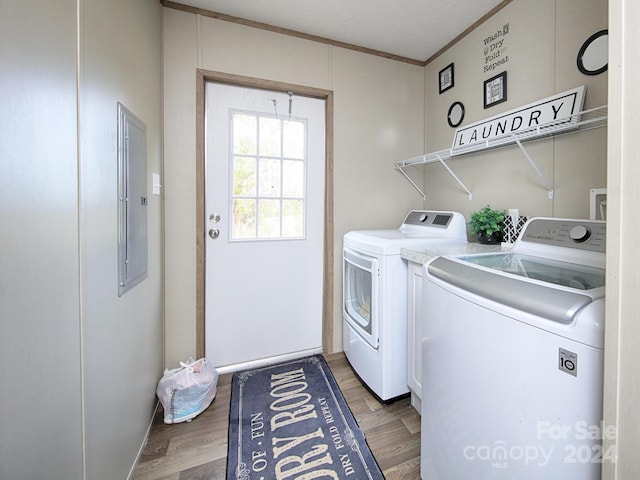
[144,442]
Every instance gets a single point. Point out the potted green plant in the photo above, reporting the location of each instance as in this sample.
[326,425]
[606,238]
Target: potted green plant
[487,224]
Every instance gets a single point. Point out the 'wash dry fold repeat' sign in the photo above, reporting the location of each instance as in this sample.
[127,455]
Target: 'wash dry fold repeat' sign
[559,109]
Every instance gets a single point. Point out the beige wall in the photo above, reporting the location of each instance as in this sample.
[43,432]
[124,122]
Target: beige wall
[541,46]
[120,61]
[79,364]
[40,416]
[378,118]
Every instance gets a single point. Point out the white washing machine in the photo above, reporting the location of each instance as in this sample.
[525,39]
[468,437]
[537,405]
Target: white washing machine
[375,296]
[513,358]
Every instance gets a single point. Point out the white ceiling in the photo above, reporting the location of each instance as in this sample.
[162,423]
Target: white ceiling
[415,29]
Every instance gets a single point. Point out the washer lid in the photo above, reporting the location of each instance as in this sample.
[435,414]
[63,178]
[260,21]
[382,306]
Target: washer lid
[512,287]
[564,274]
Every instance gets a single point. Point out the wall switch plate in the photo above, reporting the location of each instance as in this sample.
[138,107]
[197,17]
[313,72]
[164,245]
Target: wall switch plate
[156,183]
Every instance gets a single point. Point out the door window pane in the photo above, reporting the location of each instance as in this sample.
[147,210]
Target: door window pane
[269,219]
[268,156]
[244,176]
[244,128]
[269,178]
[244,218]
[270,137]
[294,139]
[292,218]
[292,178]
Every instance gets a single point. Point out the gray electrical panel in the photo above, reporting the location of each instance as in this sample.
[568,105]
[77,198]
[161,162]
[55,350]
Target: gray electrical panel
[132,200]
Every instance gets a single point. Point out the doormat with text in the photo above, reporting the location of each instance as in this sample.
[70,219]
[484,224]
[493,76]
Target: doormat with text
[290,421]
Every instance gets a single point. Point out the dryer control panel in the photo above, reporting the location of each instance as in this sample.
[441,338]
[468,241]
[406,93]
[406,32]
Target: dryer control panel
[429,223]
[431,219]
[581,234]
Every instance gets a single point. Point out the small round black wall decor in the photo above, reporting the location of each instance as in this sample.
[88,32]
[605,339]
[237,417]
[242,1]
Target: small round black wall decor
[455,115]
[593,55]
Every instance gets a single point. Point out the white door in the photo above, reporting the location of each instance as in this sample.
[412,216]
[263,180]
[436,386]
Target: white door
[265,182]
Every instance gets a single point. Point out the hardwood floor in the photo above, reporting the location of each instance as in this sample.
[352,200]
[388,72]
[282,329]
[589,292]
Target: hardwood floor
[198,450]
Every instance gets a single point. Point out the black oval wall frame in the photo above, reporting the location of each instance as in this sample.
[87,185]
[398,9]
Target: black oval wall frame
[455,115]
[585,62]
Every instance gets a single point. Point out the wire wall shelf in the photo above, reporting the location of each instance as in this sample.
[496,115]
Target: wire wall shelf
[578,122]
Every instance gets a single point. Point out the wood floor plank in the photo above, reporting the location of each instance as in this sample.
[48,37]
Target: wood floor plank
[197,450]
[404,471]
[206,471]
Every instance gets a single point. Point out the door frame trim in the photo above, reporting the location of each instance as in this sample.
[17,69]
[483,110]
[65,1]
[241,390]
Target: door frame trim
[203,76]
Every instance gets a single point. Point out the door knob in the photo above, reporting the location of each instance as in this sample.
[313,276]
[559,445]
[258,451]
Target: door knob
[214,233]
[214,218]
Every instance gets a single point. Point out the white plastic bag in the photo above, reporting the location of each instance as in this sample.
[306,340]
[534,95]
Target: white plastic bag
[188,390]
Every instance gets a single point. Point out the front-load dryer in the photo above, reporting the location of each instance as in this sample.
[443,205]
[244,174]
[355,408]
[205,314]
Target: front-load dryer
[375,296]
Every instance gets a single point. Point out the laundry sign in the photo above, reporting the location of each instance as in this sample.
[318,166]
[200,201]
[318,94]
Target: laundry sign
[535,119]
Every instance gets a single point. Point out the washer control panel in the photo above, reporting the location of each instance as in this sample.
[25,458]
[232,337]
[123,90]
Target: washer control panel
[581,234]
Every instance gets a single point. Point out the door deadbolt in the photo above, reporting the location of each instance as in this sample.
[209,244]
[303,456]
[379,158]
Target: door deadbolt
[214,233]
[214,218]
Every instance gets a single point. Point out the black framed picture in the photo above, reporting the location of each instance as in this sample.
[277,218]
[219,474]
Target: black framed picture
[495,90]
[445,78]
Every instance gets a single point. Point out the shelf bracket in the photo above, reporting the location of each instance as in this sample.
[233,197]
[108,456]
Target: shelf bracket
[400,168]
[541,175]
[454,176]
